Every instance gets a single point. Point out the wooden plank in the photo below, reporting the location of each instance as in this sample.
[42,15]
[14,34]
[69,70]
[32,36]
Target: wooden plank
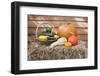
[79,30]
[56,23]
[80,36]
[57,27]
[82,31]
[83,37]
[55,18]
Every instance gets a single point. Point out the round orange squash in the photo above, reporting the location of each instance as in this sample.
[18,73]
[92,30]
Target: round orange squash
[73,40]
[68,44]
[66,30]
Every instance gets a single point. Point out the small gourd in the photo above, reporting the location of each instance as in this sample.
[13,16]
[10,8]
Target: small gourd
[43,38]
[56,36]
[60,41]
[68,44]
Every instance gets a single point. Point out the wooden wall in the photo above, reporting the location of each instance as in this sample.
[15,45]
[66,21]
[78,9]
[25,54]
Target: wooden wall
[81,23]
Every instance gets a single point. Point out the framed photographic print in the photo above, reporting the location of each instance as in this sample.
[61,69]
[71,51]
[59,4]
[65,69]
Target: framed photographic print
[52,37]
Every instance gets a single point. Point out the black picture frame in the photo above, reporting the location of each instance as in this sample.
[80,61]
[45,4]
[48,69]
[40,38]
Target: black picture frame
[15,40]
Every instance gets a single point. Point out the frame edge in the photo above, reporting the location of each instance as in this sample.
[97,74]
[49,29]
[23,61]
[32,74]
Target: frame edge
[14,40]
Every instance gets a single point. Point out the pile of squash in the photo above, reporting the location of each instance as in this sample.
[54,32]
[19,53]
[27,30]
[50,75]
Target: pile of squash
[65,35]
[48,35]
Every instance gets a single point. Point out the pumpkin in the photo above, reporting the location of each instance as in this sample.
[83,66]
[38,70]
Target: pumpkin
[73,40]
[68,44]
[66,30]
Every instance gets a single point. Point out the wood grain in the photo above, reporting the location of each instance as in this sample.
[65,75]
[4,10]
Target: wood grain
[81,23]
[56,18]
[33,30]
[55,23]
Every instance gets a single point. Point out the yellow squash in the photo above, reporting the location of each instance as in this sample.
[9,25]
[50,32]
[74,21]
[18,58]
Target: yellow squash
[43,38]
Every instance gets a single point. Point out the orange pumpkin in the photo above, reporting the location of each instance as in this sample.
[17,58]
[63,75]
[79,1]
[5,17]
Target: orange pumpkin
[66,30]
[68,44]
